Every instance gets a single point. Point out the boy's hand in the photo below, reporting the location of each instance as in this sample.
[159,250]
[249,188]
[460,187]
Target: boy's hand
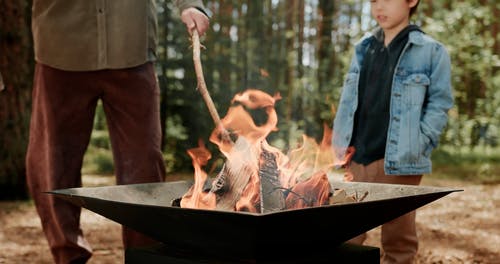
[194,19]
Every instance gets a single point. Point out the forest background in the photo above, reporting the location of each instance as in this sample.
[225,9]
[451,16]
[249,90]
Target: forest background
[299,48]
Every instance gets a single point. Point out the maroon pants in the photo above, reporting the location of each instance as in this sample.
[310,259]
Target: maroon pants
[63,110]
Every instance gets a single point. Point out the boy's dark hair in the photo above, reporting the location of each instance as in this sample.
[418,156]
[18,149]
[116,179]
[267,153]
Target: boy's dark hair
[414,9]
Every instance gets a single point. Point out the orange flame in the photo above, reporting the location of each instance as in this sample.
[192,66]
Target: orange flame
[195,197]
[300,178]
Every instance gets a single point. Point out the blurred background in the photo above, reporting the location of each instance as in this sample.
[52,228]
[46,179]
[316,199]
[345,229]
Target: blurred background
[299,48]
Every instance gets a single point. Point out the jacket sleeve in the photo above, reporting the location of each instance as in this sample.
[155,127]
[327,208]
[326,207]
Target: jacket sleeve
[439,97]
[183,4]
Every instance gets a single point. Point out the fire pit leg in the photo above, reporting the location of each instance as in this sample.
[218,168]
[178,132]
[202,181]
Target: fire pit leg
[344,253]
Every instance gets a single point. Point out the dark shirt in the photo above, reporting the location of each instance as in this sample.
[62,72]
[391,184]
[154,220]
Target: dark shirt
[371,120]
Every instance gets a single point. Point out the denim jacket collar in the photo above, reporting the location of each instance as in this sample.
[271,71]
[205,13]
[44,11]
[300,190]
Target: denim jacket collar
[415,38]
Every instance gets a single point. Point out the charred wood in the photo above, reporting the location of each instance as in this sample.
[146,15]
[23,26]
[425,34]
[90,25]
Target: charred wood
[272,197]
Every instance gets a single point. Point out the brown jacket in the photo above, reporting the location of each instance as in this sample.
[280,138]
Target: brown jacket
[86,35]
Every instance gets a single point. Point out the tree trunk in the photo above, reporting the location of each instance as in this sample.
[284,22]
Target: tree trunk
[326,52]
[16,67]
[291,25]
[495,30]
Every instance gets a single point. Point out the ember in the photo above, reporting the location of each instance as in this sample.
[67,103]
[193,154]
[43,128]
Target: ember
[257,177]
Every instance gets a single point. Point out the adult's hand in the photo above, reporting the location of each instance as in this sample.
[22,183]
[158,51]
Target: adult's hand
[195,19]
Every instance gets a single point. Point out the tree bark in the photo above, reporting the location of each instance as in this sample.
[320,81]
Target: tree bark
[16,67]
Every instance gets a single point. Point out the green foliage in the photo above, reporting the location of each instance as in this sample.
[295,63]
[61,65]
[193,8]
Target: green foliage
[175,133]
[98,161]
[100,139]
[100,118]
[463,28]
[479,164]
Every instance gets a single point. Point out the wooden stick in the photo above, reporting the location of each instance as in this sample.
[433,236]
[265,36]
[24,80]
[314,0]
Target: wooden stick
[202,86]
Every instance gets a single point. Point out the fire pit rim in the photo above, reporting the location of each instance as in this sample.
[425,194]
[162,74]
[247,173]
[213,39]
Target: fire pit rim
[64,192]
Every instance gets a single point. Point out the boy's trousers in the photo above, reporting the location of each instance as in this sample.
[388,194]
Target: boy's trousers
[64,105]
[399,236]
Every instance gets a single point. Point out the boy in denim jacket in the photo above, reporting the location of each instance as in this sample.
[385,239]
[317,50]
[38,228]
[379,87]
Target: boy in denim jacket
[392,110]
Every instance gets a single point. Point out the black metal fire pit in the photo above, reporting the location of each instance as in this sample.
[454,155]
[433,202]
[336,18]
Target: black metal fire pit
[147,209]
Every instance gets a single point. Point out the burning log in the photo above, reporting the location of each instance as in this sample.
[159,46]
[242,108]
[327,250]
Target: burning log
[271,192]
[313,192]
[237,173]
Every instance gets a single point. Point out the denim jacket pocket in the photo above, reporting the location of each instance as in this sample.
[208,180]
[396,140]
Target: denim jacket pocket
[415,88]
[414,91]
[425,145]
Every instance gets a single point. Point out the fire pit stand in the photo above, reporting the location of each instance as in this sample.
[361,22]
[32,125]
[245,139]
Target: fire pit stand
[147,208]
[344,253]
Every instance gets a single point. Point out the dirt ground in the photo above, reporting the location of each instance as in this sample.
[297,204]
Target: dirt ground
[463,227]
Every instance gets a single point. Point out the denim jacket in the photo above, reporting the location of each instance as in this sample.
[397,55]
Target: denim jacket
[421,96]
